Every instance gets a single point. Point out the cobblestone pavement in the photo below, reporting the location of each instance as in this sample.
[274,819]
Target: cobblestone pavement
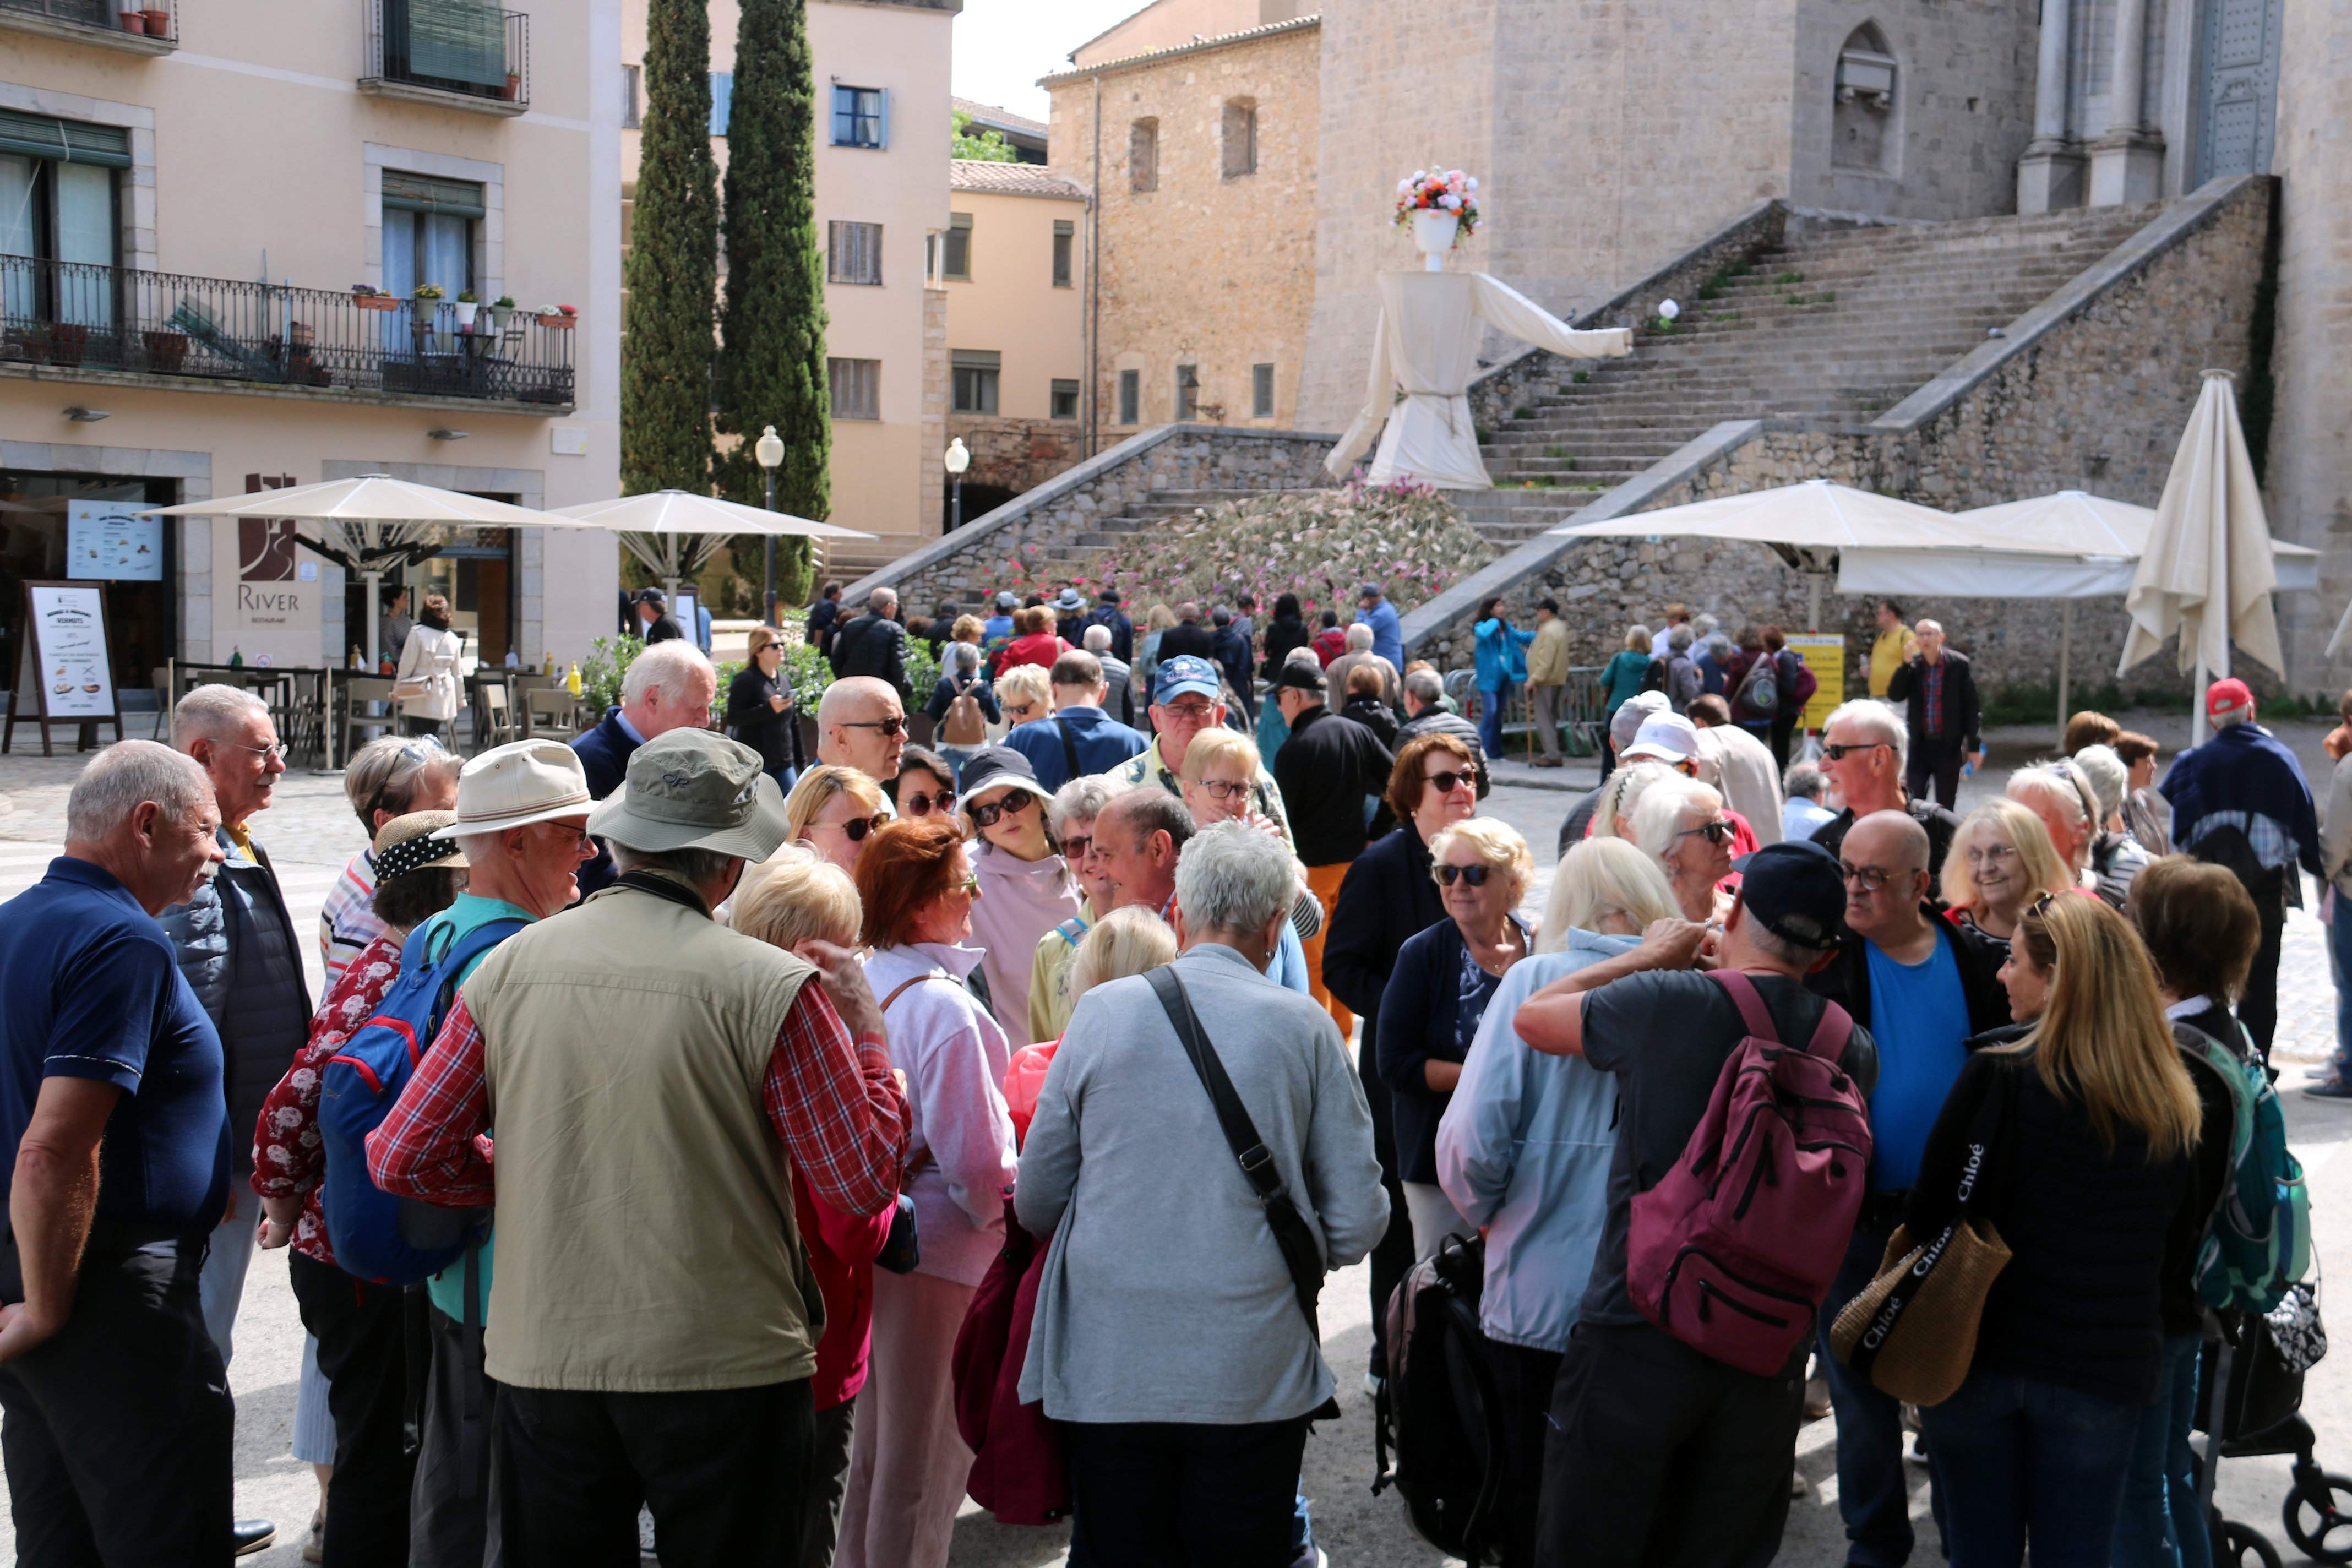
[310,834]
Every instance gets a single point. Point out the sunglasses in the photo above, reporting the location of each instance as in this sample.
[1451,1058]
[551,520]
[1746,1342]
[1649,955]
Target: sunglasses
[969,885]
[1020,709]
[2042,905]
[1077,847]
[857,827]
[914,802]
[1011,805]
[891,727]
[1840,753]
[1474,875]
[1716,832]
[1449,781]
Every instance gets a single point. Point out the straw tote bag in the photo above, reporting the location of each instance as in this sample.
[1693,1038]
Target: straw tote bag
[1913,1333]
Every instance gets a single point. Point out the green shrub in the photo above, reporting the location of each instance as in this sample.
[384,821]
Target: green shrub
[1580,377]
[1790,278]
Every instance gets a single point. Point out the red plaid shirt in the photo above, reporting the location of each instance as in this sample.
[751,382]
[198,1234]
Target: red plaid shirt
[832,1100]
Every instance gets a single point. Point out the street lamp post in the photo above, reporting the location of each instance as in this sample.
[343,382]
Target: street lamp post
[770,451]
[957,459]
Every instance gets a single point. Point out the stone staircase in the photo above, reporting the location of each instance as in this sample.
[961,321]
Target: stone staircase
[1111,543]
[1839,324]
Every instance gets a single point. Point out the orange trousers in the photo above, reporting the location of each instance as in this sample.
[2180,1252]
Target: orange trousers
[1326,881]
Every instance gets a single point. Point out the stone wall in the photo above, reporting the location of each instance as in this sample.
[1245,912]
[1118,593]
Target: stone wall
[1017,454]
[969,565]
[1206,269]
[2091,389]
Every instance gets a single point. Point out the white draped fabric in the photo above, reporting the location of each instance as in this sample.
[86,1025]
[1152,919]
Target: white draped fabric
[1426,345]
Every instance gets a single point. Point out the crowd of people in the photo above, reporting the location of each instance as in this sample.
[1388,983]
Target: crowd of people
[736,1073]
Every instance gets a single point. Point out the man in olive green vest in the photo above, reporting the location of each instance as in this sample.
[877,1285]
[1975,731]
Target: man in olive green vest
[652,1322]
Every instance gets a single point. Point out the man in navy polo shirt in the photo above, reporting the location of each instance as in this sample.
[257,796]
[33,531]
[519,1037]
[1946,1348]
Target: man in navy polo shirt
[117,1405]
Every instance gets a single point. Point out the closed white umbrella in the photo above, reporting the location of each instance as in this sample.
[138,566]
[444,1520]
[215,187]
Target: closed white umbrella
[2207,573]
[675,532]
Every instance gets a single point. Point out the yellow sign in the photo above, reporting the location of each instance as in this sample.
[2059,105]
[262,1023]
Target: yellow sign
[1824,655]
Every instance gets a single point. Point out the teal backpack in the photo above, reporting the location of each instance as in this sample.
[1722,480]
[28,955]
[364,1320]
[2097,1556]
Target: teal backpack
[2257,1241]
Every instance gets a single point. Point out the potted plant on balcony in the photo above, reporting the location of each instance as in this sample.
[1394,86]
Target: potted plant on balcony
[66,342]
[468,304]
[134,21]
[514,86]
[428,293]
[503,310]
[159,22]
[165,351]
[561,317]
[368,298]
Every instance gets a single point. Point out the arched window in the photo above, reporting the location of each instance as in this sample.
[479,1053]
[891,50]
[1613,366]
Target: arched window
[1863,121]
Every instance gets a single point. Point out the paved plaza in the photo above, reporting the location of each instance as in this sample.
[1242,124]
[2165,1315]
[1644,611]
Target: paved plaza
[311,833]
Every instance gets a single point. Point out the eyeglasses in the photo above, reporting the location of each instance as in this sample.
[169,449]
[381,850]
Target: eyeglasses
[857,827]
[969,886]
[1011,805]
[1191,712]
[1990,854]
[917,804]
[1450,781]
[1075,847]
[268,754]
[1474,875]
[1224,789]
[1839,754]
[1871,877]
[1718,832]
[893,726]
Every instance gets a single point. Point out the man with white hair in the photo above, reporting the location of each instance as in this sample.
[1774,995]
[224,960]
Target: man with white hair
[1863,747]
[861,724]
[670,686]
[1079,738]
[238,948]
[2117,857]
[1425,713]
[116,1148]
[1738,764]
[1119,676]
[1359,651]
[874,643]
[1944,720]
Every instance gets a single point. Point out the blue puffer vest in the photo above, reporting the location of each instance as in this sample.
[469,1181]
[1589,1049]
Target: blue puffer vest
[238,947]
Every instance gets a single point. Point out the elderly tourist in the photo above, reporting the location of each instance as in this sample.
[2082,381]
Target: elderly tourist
[835,811]
[1139,837]
[1425,712]
[237,947]
[1621,797]
[426,683]
[2061,796]
[2200,930]
[1129,940]
[1680,822]
[1548,680]
[1036,639]
[1024,888]
[1363,704]
[1359,656]
[962,704]
[1863,745]
[2088,727]
[2115,857]
[925,786]
[861,725]
[1328,768]
[682,1378]
[2145,815]
[1118,631]
[1939,692]
[761,710]
[1217,783]
[670,686]
[908,1466]
[387,777]
[1024,695]
[115,1393]
[1374,609]
[1193,1455]
[824,616]
[655,623]
[2099,1133]
[873,646]
[798,899]
[1186,701]
[1524,1151]
[1443,979]
[360,1327]
[1803,813]
[1229,647]
[1072,815]
[2001,860]
[1585,818]
[1738,766]
[1119,676]
[1621,678]
[1080,738]
[1389,896]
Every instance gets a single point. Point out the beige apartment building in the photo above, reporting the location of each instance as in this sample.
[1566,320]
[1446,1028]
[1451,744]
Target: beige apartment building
[883,139]
[1014,265]
[189,198]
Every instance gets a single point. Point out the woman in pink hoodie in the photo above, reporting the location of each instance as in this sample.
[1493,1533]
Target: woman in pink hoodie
[1025,887]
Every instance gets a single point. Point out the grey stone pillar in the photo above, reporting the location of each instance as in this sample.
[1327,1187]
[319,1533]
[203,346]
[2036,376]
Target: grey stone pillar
[2050,174]
[2127,162]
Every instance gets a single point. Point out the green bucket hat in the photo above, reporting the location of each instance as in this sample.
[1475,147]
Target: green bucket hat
[691,789]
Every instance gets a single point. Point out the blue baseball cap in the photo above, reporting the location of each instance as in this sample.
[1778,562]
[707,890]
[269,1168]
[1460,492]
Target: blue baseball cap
[1186,672]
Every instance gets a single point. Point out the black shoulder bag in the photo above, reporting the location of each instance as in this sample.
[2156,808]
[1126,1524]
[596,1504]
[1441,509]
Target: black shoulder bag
[1301,1251]
[1069,749]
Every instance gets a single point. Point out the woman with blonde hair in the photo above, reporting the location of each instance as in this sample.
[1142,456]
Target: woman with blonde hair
[834,811]
[2001,860]
[760,710]
[1218,780]
[1129,940]
[2084,1131]
[1025,694]
[1620,678]
[1525,1148]
[1158,620]
[794,897]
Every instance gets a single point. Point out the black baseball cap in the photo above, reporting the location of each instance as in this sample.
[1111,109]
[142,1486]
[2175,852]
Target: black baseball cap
[1796,888]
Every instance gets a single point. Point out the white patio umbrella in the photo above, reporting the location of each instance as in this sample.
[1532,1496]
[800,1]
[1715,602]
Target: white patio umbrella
[2207,572]
[674,533]
[371,522]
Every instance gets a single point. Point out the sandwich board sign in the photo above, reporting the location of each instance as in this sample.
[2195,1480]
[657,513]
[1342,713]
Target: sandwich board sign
[63,674]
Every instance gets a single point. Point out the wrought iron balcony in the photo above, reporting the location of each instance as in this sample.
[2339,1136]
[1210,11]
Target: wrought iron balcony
[71,316]
[141,27]
[462,53]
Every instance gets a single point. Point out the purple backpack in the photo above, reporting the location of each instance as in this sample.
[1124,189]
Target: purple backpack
[1734,1249]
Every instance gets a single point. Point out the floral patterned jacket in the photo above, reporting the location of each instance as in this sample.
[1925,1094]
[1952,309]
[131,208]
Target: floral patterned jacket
[289,1160]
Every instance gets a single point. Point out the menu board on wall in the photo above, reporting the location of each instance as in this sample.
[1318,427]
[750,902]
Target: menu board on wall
[105,542]
[62,670]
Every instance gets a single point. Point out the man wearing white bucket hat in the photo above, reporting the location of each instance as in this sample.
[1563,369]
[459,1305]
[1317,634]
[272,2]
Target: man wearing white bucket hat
[652,1340]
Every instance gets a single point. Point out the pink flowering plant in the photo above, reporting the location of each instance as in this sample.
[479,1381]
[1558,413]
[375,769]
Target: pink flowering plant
[1440,190]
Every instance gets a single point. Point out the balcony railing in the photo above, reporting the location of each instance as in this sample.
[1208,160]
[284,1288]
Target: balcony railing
[466,53]
[73,315]
[148,27]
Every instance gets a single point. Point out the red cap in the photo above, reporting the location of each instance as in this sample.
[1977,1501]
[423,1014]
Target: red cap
[2226,697]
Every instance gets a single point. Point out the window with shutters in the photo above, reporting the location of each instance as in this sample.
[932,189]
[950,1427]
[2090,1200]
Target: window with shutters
[1261,392]
[632,98]
[1144,156]
[852,253]
[860,117]
[1130,397]
[428,232]
[1187,391]
[60,234]
[955,260]
[1065,240]
[1066,400]
[471,48]
[974,372]
[1241,138]
[856,387]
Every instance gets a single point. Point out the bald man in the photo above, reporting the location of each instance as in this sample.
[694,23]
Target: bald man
[1926,994]
[861,725]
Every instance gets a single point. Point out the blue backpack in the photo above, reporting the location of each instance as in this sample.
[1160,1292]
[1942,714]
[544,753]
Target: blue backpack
[2257,1241]
[375,1236]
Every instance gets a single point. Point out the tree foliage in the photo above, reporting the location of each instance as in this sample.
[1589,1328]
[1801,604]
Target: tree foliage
[988,147]
[673,262]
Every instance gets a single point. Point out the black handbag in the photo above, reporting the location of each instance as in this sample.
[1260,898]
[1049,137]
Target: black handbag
[1301,1251]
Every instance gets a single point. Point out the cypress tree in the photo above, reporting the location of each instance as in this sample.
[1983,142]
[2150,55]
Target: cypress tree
[771,364]
[673,262]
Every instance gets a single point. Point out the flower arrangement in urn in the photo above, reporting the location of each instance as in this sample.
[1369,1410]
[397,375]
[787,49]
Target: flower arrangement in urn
[1441,207]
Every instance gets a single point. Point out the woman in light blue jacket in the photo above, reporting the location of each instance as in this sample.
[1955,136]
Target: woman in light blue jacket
[1501,652]
[1525,1148]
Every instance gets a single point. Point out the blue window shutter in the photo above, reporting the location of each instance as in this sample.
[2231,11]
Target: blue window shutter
[885,95]
[722,101]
